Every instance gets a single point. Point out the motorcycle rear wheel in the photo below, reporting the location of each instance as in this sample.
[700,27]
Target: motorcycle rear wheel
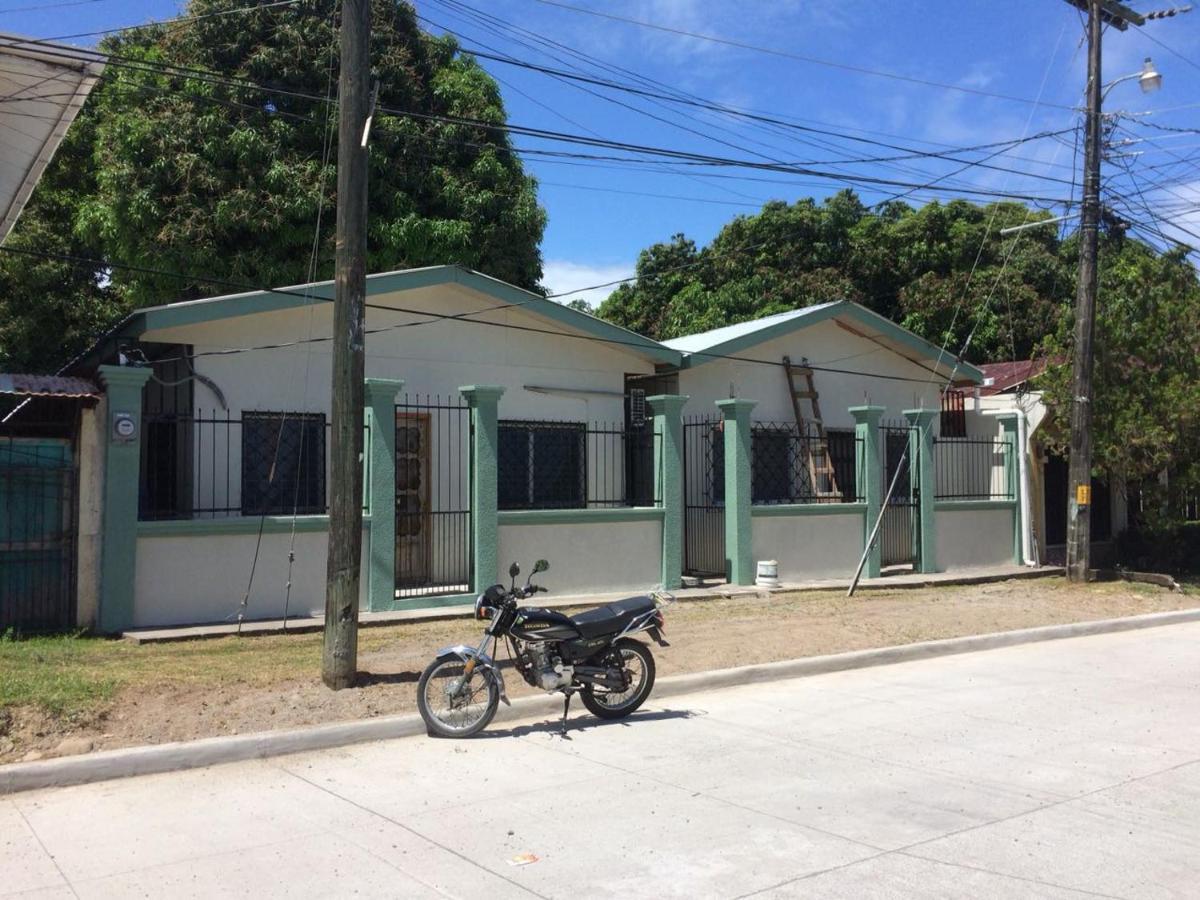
[452,714]
[607,704]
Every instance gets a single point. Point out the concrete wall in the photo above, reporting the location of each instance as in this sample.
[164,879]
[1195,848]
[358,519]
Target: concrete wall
[808,546]
[186,575]
[974,534]
[585,556]
[92,436]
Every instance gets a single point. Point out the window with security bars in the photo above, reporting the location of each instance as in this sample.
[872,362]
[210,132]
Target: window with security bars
[283,463]
[954,413]
[542,465]
[787,466]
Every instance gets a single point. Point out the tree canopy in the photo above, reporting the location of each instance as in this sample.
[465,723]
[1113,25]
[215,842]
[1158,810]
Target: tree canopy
[945,272]
[226,176]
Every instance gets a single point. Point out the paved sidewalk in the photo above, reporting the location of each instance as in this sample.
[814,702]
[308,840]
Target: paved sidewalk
[1057,770]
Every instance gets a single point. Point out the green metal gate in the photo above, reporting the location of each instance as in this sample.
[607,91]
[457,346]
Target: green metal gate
[37,534]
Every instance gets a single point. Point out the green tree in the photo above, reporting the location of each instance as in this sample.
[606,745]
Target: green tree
[219,178]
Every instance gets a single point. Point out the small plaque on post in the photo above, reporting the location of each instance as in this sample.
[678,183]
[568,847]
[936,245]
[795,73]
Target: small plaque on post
[1083,495]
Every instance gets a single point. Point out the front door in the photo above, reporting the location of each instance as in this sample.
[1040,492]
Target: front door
[413,519]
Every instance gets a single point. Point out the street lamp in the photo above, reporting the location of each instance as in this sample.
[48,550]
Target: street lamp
[1149,79]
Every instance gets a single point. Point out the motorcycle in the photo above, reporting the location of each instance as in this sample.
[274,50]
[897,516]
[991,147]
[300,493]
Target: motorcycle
[591,654]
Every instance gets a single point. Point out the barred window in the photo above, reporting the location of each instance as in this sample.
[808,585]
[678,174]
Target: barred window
[771,466]
[954,413]
[283,463]
[542,465]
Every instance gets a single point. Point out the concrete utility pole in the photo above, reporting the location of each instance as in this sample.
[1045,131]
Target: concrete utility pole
[339,663]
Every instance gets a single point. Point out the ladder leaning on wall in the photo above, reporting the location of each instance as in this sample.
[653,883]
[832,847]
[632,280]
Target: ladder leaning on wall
[817,457]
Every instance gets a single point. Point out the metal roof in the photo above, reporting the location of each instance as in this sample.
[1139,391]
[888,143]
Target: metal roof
[706,340]
[47,386]
[42,88]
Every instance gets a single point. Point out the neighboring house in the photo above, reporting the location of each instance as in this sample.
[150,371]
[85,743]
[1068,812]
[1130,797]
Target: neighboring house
[1007,388]
[502,426]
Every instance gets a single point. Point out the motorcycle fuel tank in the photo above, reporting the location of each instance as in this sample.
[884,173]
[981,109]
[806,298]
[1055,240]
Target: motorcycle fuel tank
[536,624]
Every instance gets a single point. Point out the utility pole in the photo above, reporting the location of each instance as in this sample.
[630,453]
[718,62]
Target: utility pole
[1079,502]
[339,662]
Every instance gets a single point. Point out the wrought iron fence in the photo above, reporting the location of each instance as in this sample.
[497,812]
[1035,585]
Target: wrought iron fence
[790,464]
[703,496]
[434,551]
[214,464]
[575,465]
[972,469]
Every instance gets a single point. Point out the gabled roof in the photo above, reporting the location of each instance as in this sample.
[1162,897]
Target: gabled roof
[42,88]
[208,309]
[698,349]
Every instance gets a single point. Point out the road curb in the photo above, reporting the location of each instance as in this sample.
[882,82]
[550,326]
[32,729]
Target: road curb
[159,758]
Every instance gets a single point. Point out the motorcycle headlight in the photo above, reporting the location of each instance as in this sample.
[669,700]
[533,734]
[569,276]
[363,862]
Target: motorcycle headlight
[482,609]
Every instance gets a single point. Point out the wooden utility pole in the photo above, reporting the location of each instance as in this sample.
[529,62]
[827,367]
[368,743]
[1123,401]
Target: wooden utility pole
[339,663]
[1079,502]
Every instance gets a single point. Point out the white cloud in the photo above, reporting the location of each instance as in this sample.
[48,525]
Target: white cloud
[561,276]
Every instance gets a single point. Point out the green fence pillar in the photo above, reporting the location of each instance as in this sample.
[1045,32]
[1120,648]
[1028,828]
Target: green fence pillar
[381,491]
[921,464]
[484,400]
[1012,481]
[122,461]
[667,410]
[868,467]
[739,541]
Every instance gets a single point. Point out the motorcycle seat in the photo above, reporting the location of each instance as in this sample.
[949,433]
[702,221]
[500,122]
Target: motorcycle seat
[613,618]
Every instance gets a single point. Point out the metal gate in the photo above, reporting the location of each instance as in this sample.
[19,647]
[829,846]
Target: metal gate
[37,533]
[899,535]
[434,552]
[704,497]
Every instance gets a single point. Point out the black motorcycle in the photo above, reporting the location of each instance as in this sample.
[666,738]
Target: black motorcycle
[590,654]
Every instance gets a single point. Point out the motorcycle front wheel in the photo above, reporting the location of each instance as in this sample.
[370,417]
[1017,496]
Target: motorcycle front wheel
[452,709]
[610,704]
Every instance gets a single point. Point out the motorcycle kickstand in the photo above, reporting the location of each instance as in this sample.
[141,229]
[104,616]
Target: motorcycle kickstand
[566,707]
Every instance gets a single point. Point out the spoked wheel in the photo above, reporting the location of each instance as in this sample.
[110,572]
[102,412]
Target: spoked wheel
[451,708]
[639,664]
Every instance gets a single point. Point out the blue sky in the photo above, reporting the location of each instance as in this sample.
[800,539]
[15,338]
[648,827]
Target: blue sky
[601,216]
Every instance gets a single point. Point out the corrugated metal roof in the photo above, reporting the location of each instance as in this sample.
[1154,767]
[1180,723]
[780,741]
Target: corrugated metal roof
[1007,375]
[696,343]
[47,386]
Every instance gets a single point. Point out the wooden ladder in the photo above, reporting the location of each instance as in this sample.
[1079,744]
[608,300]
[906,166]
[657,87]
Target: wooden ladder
[818,459]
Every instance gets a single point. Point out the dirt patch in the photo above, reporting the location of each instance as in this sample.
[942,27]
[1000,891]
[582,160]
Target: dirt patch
[174,692]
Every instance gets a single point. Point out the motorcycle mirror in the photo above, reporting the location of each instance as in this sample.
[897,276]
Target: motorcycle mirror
[514,570]
[540,566]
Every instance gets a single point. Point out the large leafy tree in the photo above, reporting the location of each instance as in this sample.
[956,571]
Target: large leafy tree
[227,176]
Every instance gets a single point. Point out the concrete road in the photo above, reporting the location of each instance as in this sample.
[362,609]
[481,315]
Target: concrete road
[1066,769]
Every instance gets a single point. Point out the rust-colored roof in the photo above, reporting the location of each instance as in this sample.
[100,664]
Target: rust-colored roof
[1004,376]
[47,386]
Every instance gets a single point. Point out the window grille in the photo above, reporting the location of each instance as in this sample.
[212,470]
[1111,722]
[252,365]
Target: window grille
[542,465]
[283,463]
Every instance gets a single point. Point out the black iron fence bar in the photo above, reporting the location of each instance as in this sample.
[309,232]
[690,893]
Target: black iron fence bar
[209,465]
[973,469]
[550,464]
[434,554]
[790,464]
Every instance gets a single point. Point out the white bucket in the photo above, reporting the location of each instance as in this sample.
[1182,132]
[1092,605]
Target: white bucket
[768,573]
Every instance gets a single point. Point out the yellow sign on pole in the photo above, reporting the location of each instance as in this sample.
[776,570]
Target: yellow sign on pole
[1083,495]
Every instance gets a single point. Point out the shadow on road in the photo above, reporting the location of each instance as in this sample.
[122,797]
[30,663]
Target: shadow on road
[588,722]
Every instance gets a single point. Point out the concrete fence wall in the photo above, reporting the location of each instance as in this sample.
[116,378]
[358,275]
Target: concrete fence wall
[975,533]
[810,543]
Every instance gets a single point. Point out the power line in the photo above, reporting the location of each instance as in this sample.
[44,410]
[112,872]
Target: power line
[861,70]
[19,9]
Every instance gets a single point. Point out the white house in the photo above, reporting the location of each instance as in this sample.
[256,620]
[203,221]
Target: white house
[501,426]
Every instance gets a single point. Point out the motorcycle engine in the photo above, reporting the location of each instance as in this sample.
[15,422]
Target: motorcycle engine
[548,669]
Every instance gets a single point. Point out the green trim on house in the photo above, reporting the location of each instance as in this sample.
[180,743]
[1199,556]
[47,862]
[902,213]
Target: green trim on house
[1008,426]
[122,464]
[580,516]
[667,410]
[381,489]
[484,400]
[920,450]
[210,309]
[739,535]
[236,525]
[973,505]
[869,474]
[821,313]
[774,510]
